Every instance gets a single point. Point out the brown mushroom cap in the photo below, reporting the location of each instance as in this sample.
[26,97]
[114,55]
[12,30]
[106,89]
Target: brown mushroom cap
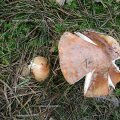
[89,53]
[99,81]
[40,68]
[106,42]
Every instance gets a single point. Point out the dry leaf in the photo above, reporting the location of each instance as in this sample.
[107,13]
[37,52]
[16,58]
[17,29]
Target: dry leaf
[60,2]
[69,1]
[117,1]
[25,70]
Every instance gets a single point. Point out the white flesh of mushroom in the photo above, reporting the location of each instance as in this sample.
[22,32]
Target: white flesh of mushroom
[110,83]
[88,81]
[33,65]
[84,37]
[115,64]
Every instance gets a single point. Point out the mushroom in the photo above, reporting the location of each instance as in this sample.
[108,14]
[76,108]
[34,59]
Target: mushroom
[93,55]
[39,67]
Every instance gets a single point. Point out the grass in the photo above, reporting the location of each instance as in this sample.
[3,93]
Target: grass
[31,28]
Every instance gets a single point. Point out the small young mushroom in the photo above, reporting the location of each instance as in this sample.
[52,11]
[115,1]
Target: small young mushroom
[39,67]
[93,55]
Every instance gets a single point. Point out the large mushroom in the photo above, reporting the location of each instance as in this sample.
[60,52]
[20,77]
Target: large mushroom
[93,55]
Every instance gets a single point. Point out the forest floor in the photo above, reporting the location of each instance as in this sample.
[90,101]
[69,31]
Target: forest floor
[29,28]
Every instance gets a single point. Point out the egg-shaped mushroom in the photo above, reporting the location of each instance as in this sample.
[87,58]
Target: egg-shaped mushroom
[39,68]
